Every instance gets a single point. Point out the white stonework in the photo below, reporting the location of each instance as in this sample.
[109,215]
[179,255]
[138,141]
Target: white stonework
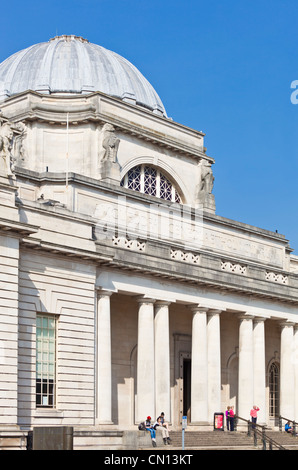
[159,304]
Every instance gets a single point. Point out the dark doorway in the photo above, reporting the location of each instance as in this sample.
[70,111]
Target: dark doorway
[187,388]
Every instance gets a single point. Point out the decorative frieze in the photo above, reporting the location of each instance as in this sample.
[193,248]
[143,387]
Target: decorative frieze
[231,267]
[276,277]
[186,256]
[123,242]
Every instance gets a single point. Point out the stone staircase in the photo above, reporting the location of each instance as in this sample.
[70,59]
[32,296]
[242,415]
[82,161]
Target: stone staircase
[224,440]
[211,440]
[284,439]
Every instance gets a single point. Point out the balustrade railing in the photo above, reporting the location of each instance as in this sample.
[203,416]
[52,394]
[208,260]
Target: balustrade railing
[259,432]
[293,424]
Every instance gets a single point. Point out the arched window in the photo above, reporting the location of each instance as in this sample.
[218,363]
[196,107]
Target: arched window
[274,390]
[149,180]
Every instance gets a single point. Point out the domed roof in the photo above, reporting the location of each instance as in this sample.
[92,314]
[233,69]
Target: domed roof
[71,64]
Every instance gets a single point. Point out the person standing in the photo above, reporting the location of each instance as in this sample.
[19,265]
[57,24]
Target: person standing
[232,418]
[228,417]
[253,414]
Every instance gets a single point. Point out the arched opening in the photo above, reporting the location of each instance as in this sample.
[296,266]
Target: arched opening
[150,180]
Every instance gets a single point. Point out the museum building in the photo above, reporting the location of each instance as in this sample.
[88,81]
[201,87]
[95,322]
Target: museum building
[123,293]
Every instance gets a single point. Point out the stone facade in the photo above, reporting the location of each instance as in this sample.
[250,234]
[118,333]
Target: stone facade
[159,304]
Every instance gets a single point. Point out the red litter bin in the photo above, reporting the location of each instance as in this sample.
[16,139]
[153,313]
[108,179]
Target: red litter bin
[218,423]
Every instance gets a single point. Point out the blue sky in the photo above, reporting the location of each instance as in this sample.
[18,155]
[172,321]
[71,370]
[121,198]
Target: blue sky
[223,67]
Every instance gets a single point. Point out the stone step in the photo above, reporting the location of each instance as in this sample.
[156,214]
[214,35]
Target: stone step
[284,439]
[226,440]
[211,439]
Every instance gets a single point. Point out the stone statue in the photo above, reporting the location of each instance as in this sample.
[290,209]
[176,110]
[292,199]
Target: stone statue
[109,168]
[19,147]
[6,143]
[110,144]
[204,196]
[206,182]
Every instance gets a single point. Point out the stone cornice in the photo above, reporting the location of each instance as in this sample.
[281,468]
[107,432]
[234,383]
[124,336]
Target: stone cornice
[74,178]
[37,109]
[139,264]
[22,229]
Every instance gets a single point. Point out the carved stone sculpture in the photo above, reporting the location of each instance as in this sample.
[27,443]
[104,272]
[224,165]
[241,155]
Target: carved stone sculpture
[6,143]
[110,144]
[206,182]
[204,196]
[109,169]
[19,146]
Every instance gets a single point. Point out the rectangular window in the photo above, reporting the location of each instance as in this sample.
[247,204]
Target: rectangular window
[45,360]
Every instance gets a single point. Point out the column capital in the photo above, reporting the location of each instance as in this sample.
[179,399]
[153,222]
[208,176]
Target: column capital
[162,303]
[259,319]
[198,308]
[286,323]
[214,311]
[141,299]
[103,293]
[245,316]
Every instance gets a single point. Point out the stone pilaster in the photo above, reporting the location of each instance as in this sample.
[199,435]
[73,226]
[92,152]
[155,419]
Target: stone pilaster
[246,367]
[104,359]
[295,365]
[199,367]
[287,381]
[162,359]
[214,363]
[259,368]
[146,370]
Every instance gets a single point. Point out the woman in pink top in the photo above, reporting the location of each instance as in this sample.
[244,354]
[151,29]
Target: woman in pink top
[232,417]
[253,414]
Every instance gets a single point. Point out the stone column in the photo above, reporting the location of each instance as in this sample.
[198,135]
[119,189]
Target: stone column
[246,367]
[214,363]
[104,359]
[162,359]
[295,356]
[199,367]
[287,382]
[259,368]
[146,371]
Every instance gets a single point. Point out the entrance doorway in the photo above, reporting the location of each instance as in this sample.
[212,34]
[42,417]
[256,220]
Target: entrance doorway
[187,389]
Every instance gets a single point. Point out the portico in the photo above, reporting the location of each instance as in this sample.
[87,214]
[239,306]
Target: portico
[205,331]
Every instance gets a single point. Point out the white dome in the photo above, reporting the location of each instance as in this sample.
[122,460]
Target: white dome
[71,64]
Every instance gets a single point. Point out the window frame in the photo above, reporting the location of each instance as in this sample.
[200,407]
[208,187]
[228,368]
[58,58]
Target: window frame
[162,187]
[46,361]
[274,389]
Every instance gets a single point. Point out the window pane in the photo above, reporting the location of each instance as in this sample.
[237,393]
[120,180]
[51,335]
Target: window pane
[149,180]
[45,360]
[134,179]
[274,390]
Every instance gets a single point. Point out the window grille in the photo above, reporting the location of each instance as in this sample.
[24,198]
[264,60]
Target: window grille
[149,180]
[274,390]
[45,361]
